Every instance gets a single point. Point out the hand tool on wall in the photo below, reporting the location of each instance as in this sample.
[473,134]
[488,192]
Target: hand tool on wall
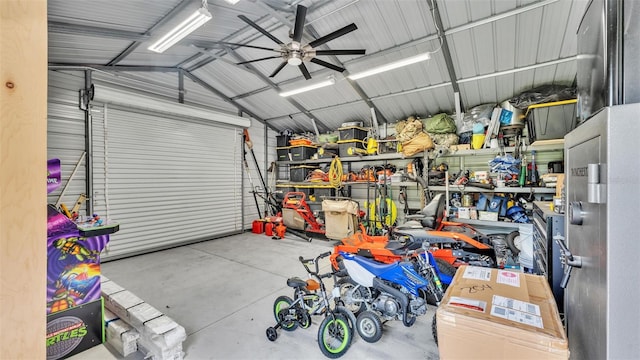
[271,204]
[246,168]
[73,173]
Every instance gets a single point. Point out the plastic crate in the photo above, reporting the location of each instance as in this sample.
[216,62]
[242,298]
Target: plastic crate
[302,152]
[328,151]
[282,140]
[283,153]
[320,192]
[344,146]
[551,121]
[300,173]
[353,132]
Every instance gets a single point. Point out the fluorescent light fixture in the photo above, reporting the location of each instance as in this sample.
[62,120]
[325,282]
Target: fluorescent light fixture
[232,2]
[185,28]
[329,81]
[391,66]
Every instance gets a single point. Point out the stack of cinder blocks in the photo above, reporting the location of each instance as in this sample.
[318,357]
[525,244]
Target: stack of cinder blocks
[139,326]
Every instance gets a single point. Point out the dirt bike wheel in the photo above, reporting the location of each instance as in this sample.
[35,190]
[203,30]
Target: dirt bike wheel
[434,329]
[429,296]
[280,310]
[369,326]
[352,295]
[272,334]
[513,240]
[446,269]
[334,336]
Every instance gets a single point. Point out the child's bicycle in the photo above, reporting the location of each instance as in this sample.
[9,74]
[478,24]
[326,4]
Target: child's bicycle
[336,330]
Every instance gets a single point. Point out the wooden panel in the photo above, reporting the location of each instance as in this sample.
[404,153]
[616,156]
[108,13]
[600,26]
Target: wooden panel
[23,139]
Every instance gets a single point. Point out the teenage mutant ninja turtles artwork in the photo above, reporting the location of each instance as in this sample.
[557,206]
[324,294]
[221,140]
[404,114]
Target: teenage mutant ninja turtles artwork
[73,266]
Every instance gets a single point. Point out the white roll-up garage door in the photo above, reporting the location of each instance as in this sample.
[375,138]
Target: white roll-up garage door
[168,180]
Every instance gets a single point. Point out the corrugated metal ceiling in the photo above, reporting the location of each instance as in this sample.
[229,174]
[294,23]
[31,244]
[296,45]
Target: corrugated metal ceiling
[498,49]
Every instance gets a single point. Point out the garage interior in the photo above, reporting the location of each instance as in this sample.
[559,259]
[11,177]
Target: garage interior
[175,166]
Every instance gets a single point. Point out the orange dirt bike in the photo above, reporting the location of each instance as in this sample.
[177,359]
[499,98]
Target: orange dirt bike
[450,242]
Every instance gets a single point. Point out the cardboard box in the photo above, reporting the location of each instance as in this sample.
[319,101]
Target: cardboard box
[499,314]
[487,215]
[464,213]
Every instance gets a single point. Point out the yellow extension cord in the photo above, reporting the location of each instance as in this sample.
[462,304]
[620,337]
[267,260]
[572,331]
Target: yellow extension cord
[335,173]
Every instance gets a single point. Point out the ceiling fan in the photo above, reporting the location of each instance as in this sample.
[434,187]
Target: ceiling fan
[295,53]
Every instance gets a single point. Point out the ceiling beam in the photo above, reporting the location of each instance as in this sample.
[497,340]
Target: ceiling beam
[448,60]
[86,30]
[69,66]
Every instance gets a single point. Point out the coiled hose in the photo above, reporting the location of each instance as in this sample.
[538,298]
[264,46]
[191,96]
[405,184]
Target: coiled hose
[335,173]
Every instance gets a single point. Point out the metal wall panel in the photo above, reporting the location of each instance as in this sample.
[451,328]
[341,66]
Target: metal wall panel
[65,132]
[170,181]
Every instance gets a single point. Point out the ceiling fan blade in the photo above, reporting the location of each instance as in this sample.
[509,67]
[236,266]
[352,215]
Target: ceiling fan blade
[336,34]
[301,14]
[341,52]
[244,45]
[327,65]
[304,71]
[255,60]
[263,31]
[277,70]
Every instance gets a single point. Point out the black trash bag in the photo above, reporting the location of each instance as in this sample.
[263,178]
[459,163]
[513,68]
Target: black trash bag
[543,94]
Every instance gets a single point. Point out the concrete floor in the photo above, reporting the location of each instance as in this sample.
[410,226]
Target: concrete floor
[222,292]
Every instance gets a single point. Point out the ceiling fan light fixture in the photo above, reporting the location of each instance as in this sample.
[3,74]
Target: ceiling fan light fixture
[294,59]
[183,29]
[330,81]
[391,66]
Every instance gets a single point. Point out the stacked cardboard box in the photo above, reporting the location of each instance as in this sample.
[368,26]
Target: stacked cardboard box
[158,336]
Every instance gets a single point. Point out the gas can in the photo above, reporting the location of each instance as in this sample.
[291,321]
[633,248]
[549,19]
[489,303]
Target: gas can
[268,228]
[257,227]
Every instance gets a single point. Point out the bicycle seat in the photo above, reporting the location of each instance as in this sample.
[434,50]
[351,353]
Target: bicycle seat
[295,282]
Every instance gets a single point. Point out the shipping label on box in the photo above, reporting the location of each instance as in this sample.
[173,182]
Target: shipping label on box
[509,278]
[468,303]
[477,273]
[518,311]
